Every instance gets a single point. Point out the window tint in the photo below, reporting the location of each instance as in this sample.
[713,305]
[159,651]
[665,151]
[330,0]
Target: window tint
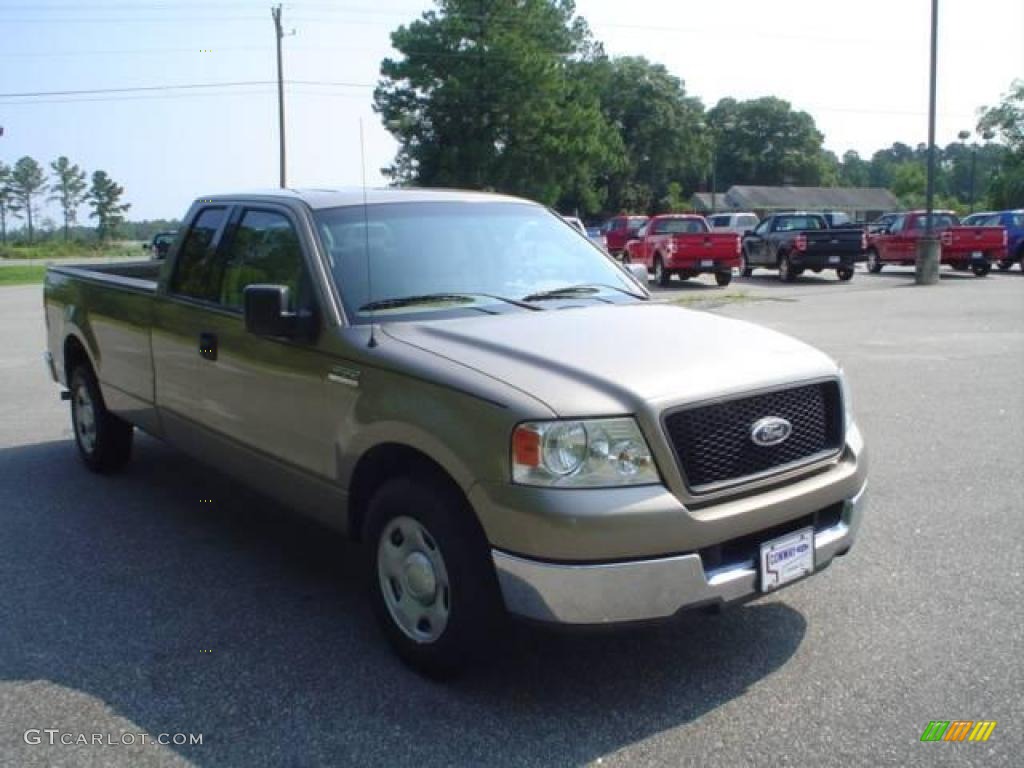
[197,274]
[895,224]
[939,221]
[680,227]
[1016,220]
[762,227]
[263,249]
[719,221]
[795,223]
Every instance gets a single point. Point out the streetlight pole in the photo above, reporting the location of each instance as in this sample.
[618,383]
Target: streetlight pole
[926,269]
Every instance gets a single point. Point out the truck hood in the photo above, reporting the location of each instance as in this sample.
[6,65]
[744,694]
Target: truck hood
[613,359]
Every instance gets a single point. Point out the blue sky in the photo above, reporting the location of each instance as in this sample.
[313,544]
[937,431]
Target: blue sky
[859,67]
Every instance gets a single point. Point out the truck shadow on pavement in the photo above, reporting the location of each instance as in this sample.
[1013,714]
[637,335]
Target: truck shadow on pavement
[185,603]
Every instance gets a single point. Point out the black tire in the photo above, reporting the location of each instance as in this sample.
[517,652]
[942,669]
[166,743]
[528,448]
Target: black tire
[745,270]
[1004,265]
[662,276]
[723,278]
[845,274]
[980,270]
[874,263]
[104,441]
[786,271]
[465,586]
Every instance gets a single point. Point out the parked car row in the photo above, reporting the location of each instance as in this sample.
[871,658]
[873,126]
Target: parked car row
[793,242]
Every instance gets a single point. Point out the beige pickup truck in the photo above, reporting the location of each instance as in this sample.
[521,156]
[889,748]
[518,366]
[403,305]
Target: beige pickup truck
[493,406]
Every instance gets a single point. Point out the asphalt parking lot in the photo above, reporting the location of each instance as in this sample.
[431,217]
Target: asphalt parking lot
[129,605]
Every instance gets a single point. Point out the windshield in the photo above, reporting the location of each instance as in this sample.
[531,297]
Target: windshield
[680,227]
[475,253]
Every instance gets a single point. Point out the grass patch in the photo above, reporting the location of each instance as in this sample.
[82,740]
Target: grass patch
[58,249]
[22,275]
[711,298]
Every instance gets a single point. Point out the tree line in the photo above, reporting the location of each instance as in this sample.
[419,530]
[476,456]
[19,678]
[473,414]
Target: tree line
[519,97]
[23,185]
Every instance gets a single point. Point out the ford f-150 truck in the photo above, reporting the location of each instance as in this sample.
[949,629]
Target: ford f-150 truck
[684,245]
[973,247]
[619,230]
[477,394]
[794,242]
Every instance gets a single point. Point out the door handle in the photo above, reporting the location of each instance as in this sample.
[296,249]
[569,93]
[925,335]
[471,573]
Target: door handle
[208,346]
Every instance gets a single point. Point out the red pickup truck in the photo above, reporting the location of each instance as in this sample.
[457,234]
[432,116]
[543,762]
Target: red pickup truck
[619,230]
[684,245]
[895,242]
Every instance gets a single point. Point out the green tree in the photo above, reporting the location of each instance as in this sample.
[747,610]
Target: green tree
[765,141]
[666,147]
[27,181]
[68,190]
[105,199]
[908,183]
[482,95]
[6,199]
[854,171]
[1006,121]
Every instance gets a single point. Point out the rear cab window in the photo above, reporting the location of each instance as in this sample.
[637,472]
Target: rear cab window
[196,274]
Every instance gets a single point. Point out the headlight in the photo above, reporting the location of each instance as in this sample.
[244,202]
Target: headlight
[582,454]
[844,392]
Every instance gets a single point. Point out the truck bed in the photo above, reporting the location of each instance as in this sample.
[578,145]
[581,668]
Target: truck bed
[106,310]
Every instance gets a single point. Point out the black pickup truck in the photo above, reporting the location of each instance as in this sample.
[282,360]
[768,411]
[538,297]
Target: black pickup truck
[793,242]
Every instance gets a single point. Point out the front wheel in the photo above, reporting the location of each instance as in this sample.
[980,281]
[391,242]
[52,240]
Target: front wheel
[980,270]
[723,278]
[104,441]
[874,263]
[662,276]
[845,274]
[432,583]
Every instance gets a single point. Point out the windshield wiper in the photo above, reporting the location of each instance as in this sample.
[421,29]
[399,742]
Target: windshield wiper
[439,298]
[577,290]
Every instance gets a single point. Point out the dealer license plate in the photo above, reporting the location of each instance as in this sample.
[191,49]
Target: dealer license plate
[707,262]
[787,559]
[833,259]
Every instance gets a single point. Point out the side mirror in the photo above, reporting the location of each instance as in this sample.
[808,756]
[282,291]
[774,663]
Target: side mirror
[639,272]
[265,308]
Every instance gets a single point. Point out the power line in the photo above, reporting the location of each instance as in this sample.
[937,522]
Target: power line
[183,86]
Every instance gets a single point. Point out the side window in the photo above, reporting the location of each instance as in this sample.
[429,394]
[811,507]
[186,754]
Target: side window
[719,221]
[762,227]
[263,249]
[659,227]
[197,273]
[896,224]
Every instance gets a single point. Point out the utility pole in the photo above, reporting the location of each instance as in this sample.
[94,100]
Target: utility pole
[276,13]
[926,270]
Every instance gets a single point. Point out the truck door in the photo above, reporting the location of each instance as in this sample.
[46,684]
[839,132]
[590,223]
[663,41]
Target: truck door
[246,391]
[755,244]
[896,243]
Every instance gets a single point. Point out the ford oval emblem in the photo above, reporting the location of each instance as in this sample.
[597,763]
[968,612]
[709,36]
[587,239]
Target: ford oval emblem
[769,431]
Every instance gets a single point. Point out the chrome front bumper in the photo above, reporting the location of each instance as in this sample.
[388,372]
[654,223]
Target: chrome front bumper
[645,589]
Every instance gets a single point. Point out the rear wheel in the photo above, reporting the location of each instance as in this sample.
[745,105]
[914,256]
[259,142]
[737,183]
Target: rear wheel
[662,276]
[874,263]
[104,441]
[723,278]
[845,274]
[432,583]
[786,273]
[980,270]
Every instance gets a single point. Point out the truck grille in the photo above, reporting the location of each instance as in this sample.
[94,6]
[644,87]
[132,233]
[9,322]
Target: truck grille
[714,446]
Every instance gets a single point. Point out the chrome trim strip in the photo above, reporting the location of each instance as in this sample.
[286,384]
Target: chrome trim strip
[605,593]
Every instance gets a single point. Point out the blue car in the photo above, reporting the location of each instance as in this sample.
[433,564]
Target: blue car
[1014,223]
